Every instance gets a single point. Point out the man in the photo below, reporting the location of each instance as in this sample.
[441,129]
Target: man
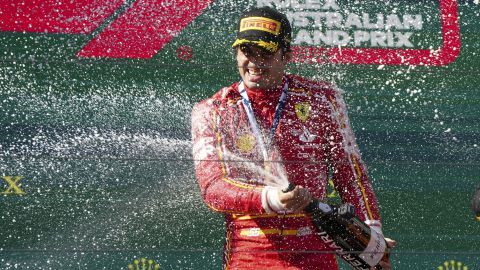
[254,137]
[476,203]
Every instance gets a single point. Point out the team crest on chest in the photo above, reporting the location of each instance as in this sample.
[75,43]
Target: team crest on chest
[245,143]
[302,110]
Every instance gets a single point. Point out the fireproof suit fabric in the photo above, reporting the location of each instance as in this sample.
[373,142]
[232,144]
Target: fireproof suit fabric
[313,140]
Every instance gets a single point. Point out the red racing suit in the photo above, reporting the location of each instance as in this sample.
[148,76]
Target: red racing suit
[313,142]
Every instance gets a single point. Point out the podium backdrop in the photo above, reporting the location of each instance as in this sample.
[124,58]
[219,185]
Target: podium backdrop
[95,100]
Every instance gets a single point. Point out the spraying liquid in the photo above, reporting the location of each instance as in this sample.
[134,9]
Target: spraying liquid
[279,179]
[338,226]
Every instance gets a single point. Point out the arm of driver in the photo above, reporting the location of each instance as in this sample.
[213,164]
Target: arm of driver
[221,190]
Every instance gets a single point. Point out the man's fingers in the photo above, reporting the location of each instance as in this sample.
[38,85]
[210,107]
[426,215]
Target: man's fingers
[385,265]
[286,197]
[297,199]
[298,206]
[390,242]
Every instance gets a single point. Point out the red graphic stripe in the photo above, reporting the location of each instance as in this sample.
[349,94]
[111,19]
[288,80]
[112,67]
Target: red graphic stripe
[440,57]
[144,29]
[54,16]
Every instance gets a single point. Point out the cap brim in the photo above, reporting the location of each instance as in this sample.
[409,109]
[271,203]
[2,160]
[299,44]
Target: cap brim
[266,45]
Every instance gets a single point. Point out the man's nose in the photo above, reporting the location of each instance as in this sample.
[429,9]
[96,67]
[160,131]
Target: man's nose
[258,63]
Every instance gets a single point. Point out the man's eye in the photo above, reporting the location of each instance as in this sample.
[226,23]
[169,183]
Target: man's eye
[248,52]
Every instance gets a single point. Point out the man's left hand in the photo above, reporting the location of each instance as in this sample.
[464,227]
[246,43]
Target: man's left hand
[390,245]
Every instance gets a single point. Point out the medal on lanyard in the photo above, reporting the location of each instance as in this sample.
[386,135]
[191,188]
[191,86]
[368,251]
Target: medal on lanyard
[254,125]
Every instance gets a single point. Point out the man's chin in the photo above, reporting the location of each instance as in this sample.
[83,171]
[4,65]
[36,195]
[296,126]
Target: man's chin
[258,84]
[254,85]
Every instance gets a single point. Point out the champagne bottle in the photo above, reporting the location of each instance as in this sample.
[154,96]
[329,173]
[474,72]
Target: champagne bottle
[341,230]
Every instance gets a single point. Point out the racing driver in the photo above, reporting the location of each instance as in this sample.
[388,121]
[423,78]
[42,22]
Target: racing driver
[252,138]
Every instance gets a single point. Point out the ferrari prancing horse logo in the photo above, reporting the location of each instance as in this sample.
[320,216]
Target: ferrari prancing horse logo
[302,110]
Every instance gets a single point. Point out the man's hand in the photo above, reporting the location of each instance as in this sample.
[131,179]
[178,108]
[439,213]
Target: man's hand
[390,244]
[296,200]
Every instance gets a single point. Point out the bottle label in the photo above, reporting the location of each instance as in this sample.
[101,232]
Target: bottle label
[375,249]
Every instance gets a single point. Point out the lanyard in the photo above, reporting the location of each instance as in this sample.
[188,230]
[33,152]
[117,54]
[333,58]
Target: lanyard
[253,121]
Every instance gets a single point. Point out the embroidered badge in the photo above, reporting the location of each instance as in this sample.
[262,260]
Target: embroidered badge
[302,110]
[245,143]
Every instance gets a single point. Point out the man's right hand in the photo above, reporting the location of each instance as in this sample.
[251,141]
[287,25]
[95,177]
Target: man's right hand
[296,200]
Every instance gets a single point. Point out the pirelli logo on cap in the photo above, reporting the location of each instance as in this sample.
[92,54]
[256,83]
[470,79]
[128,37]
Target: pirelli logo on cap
[260,23]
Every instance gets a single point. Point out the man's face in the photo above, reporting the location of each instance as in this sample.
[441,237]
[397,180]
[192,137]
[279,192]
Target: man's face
[260,69]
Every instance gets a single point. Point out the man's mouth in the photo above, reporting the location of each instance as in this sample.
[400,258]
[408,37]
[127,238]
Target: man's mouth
[255,74]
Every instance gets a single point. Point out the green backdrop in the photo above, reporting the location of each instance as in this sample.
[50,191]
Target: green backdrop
[95,152]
